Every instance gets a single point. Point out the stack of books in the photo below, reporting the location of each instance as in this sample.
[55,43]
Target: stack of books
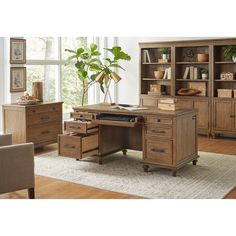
[168,104]
[191,73]
[167,74]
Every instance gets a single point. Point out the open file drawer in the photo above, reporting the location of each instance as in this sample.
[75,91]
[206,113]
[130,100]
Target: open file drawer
[117,120]
[78,146]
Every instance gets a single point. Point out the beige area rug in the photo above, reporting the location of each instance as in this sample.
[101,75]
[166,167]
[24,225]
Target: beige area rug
[212,178]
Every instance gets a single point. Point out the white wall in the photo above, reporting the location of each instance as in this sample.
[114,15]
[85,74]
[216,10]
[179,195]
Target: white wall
[128,87]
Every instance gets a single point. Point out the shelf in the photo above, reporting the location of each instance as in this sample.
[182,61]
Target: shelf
[192,80]
[227,81]
[156,63]
[180,96]
[191,62]
[225,62]
[153,79]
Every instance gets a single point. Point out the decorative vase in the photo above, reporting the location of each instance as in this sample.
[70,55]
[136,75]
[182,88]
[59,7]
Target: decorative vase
[37,90]
[204,76]
[158,74]
[234,58]
[202,57]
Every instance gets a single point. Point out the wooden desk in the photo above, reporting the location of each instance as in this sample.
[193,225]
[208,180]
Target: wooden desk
[167,138]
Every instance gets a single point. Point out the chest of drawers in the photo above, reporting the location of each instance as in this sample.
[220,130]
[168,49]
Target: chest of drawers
[40,123]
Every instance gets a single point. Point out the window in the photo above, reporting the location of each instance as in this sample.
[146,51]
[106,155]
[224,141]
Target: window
[46,59]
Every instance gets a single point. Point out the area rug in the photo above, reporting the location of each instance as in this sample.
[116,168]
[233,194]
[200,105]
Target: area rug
[212,178]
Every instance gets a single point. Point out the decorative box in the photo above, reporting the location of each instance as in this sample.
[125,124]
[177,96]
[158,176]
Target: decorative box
[227,76]
[224,93]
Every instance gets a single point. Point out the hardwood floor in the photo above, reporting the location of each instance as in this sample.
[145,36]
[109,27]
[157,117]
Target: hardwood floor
[49,188]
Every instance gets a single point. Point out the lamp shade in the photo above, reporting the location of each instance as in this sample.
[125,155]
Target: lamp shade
[100,77]
[115,77]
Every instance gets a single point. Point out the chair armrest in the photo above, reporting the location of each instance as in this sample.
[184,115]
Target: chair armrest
[5,139]
[16,167]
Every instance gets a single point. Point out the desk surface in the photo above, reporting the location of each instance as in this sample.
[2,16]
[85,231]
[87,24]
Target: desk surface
[149,111]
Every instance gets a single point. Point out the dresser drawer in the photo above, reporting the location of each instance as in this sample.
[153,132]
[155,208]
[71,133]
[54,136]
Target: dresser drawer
[159,120]
[78,146]
[82,127]
[43,117]
[44,132]
[82,115]
[44,108]
[158,131]
[158,152]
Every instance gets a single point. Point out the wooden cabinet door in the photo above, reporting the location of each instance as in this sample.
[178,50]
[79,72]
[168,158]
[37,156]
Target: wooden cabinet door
[202,108]
[234,116]
[223,115]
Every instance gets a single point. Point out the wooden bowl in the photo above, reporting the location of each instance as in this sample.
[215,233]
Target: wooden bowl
[158,74]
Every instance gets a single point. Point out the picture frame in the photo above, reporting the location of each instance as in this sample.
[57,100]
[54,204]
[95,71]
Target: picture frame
[17,51]
[18,79]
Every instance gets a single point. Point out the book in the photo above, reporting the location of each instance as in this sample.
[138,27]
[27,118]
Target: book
[169,73]
[165,74]
[167,101]
[144,56]
[191,69]
[186,73]
[168,107]
[196,73]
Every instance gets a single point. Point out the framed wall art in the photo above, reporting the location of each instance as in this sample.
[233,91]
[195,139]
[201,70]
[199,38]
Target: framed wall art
[18,79]
[17,51]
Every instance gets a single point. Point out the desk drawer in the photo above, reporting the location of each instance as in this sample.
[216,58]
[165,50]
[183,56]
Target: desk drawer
[158,131]
[44,117]
[43,132]
[44,108]
[159,152]
[81,127]
[76,146]
[82,115]
[159,120]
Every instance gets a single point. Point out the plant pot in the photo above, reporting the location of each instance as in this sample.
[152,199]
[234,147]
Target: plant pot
[158,74]
[204,76]
[234,58]
[202,57]
[165,56]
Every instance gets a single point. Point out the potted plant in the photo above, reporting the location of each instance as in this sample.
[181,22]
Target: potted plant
[87,65]
[204,73]
[165,53]
[230,52]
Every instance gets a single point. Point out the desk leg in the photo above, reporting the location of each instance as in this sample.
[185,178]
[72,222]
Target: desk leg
[194,162]
[145,168]
[124,151]
[100,160]
[174,172]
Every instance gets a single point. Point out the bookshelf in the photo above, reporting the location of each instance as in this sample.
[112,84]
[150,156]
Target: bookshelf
[185,54]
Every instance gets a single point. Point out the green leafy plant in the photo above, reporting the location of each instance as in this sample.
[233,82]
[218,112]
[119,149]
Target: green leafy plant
[110,63]
[165,51]
[87,65]
[204,71]
[230,51]
[90,69]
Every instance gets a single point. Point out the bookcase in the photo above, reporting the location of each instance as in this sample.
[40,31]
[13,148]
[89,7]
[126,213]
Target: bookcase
[216,114]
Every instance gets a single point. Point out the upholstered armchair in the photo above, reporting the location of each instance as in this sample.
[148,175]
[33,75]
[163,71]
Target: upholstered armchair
[16,166]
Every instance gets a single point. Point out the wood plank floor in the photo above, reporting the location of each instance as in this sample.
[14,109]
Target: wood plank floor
[49,188]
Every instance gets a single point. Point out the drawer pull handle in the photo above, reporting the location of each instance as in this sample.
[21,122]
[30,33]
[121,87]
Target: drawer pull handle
[232,116]
[74,127]
[157,150]
[44,117]
[69,146]
[158,120]
[54,108]
[45,132]
[194,118]
[159,131]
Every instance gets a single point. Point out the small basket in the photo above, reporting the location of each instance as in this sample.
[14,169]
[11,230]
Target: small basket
[224,93]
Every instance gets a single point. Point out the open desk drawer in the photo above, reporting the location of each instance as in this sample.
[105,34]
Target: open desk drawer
[78,146]
[81,127]
[117,120]
[82,115]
